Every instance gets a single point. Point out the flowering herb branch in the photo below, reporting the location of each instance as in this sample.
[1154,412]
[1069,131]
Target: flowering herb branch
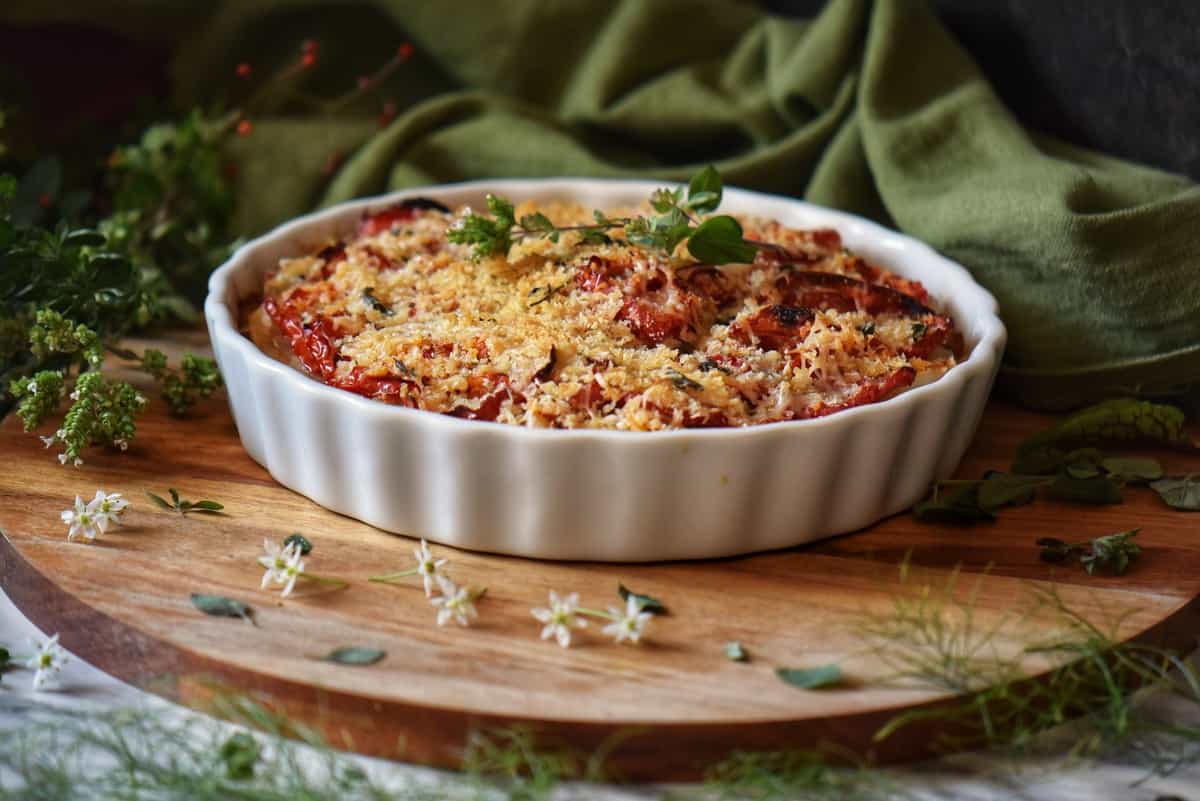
[716,240]
[452,601]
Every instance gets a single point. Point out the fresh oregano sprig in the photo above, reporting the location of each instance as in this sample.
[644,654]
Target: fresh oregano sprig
[1112,552]
[716,240]
[182,505]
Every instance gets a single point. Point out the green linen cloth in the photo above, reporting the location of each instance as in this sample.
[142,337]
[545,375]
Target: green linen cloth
[869,107]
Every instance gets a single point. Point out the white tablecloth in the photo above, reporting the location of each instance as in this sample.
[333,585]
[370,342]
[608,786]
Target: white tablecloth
[970,778]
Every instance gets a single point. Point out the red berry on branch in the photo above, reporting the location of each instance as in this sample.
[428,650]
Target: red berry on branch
[404,53]
[245,128]
[308,59]
[308,46]
[243,70]
[363,81]
[44,200]
[388,114]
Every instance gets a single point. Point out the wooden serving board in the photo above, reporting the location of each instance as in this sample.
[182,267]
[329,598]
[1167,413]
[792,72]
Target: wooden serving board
[673,705]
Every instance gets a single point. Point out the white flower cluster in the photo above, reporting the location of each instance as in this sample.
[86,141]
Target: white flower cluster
[563,617]
[452,601]
[91,519]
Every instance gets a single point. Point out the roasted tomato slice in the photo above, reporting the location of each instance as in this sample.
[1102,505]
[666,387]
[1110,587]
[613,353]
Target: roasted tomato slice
[652,324]
[332,255]
[774,327]
[389,389]
[870,391]
[492,388]
[311,342]
[598,273]
[842,293]
[379,221]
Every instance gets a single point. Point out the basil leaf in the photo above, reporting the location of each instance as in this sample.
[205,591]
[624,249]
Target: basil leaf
[174,497]
[705,190]
[206,506]
[354,655]
[811,678]
[1181,492]
[734,652]
[298,539]
[1133,469]
[1098,490]
[220,606]
[718,240]
[649,603]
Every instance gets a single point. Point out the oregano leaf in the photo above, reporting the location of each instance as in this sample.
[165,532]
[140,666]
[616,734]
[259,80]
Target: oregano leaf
[813,678]
[649,603]
[354,655]
[1180,492]
[718,240]
[220,606]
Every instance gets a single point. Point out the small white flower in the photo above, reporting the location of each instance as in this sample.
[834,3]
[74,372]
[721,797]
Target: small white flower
[293,570]
[122,444]
[456,602]
[630,624]
[49,441]
[47,660]
[427,567]
[560,618]
[106,509]
[74,395]
[81,521]
[276,560]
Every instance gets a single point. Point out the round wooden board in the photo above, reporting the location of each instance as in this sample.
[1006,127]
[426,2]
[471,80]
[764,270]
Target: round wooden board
[675,704]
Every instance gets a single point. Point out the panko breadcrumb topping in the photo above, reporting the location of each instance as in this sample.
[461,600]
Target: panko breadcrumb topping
[571,334]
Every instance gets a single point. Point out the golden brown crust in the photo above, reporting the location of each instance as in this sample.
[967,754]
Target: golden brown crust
[574,335]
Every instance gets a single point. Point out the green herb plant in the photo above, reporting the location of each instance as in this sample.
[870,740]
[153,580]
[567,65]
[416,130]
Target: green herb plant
[715,240]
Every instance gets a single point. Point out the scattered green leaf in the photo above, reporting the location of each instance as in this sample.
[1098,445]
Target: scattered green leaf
[1180,492]
[354,655]
[955,503]
[1098,490]
[1002,489]
[649,603]
[811,678]
[1131,469]
[300,540]
[220,606]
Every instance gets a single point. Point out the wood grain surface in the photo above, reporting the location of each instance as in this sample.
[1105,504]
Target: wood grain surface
[675,703]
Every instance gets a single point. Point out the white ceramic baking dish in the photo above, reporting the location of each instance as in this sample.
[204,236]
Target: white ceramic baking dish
[596,494]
